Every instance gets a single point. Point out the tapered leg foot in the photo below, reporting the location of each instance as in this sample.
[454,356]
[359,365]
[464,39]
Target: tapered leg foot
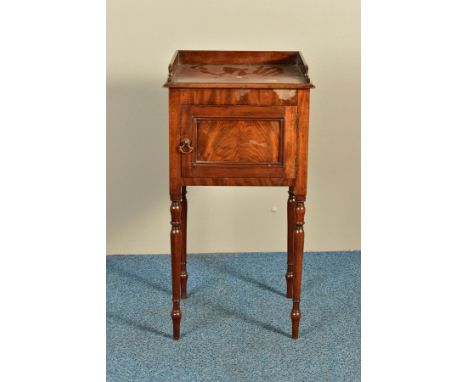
[295,317]
[176,316]
[291,227]
[183,257]
[297,274]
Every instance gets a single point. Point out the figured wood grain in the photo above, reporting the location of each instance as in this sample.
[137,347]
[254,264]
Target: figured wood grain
[175,181]
[239,141]
[239,73]
[217,69]
[300,188]
[246,118]
[258,97]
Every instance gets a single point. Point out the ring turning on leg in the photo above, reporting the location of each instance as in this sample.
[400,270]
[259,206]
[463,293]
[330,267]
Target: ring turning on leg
[176,241]
[291,227]
[183,256]
[297,273]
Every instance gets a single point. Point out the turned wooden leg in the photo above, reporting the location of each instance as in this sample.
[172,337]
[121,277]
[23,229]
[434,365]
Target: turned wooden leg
[297,273]
[183,256]
[176,241]
[291,228]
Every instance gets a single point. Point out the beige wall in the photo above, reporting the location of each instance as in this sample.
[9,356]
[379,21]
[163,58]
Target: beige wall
[141,38]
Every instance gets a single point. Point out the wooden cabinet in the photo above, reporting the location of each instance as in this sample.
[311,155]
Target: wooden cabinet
[238,119]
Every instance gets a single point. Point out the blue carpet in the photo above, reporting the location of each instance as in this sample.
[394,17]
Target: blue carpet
[235,321]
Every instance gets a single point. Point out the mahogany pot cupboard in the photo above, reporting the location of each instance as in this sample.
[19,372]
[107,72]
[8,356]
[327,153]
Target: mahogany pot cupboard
[238,118]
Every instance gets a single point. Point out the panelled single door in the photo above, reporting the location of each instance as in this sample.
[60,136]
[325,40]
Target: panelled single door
[238,141]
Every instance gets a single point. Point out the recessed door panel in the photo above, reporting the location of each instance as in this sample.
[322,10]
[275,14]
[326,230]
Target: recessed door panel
[238,141]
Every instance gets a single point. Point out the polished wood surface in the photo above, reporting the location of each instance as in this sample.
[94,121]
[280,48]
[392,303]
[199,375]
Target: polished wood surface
[183,254]
[291,211]
[238,119]
[240,141]
[176,246]
[220,57]
[259,182]
[257,97]
[243,73]
[221,69]
[297,269]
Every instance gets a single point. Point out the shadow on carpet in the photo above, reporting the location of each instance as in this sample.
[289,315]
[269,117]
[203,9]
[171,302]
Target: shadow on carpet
[236,320]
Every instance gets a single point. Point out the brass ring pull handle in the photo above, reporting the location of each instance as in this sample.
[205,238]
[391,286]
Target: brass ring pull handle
[185,146]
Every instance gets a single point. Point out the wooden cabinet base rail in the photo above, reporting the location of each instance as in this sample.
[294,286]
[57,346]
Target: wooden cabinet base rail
[238,119]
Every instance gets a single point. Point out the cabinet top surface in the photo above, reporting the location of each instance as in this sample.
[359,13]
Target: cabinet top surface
[237,69]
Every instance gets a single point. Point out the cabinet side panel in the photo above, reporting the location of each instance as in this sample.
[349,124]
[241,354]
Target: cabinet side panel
[302,142]
[174,140]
